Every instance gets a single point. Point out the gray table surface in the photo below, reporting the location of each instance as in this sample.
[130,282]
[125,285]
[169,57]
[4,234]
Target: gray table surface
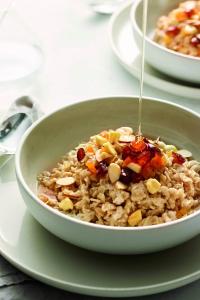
[79,64]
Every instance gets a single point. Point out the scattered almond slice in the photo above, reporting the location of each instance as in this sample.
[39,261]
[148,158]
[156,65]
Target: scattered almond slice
[48,199]
[65,181]
[114,172]
[101,155]
[185,153]
[71,194]
[120,186]
[170,148]
[126,138]
[98,155]
[125,130]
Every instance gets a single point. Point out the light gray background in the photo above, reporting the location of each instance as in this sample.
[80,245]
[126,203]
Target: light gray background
[79,64]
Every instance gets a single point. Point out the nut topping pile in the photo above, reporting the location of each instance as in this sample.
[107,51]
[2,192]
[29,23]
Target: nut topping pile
[126,157]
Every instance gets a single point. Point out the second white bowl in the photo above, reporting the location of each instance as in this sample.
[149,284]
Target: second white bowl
[172,63]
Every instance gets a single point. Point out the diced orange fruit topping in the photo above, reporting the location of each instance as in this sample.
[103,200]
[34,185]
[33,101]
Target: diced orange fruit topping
[181,16]
[90,149]
[157,162]
[182,212]
[91,166]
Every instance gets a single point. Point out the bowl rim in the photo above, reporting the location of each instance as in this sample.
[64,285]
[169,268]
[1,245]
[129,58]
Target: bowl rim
[150,41]
[69,218]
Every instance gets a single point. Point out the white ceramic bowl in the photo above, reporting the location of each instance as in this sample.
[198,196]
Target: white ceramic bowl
[172,63]
[52,136]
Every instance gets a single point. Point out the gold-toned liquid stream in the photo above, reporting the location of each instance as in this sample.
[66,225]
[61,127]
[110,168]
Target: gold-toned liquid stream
[144,25]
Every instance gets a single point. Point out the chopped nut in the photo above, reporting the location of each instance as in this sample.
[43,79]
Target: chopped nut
[120,186]
[108,146]
[161,145]
[126,138]
[153,185]
[66,204]
[113,136]
[185,153]
[125,130]
[100,140]
[114,171]
[101,155]
[135,218]
[50,200]
[71,194]
[105,155]
[65,181]
[170,148]
[188,29]
[134,167]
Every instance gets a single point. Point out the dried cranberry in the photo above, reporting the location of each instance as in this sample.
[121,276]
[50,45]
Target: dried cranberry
[172,30]
[126,151]
[177,158]
[190,12]
[126,175]
[148,171]
[80,154]
[152,150]
[157,162]
[195,40]
[136,177]
[102,168]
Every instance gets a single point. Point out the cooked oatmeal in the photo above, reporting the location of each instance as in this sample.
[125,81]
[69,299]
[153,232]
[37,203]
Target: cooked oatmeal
[119,179]
[180,29]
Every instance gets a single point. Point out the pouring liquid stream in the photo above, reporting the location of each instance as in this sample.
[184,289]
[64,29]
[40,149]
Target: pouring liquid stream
[144,25]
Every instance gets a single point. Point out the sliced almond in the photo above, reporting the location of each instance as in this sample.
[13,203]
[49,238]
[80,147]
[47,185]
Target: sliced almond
[134,167]
[125,130]
[98,155]
[65,181]
[120,186]
[185,153]
[114,172]
[71,194]
[126,138]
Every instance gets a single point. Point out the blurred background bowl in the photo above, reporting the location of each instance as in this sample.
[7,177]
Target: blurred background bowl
[175,64]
